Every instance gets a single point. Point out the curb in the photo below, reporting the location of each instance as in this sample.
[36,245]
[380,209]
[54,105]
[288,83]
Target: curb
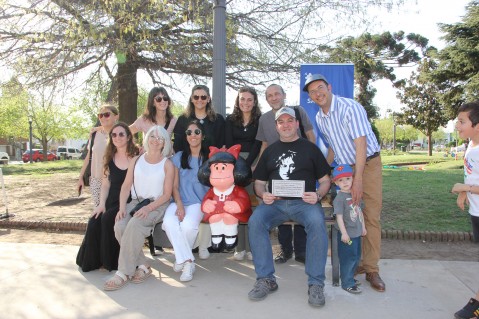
[44,225]
[385,234]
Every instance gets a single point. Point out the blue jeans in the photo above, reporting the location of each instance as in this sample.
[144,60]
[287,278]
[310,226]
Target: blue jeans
[265,217]
[349,257]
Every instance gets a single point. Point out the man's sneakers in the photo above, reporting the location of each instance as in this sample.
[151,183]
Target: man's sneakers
[265,286]
[283,257]
[316,295]
[262,288]
[470,311]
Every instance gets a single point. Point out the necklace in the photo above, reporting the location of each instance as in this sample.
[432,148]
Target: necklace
[202,120]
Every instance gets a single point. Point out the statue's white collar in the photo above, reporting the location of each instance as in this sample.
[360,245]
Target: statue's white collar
[222,195]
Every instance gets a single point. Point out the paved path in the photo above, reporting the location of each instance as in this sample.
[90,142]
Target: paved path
[42,281]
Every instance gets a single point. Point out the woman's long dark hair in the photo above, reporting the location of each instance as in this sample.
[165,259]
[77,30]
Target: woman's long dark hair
[190,109]
[150,109]
[131,148]
[186,155]
[237,115]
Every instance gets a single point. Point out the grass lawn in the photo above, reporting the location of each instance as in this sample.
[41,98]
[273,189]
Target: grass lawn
[412,199]
[421,200]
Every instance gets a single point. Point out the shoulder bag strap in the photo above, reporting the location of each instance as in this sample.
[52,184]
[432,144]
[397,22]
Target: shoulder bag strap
[298,116]
[134,175]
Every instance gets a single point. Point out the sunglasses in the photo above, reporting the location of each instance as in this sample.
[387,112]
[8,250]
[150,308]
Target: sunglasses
[197,97]
[104,115]
[164,98]
[196,131]
[158,138]
[121,134]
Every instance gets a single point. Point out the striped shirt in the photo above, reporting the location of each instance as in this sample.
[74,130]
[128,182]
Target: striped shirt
[346,121]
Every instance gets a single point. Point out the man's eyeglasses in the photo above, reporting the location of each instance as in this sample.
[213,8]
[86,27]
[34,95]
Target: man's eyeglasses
[121,134]
[158,138]
[316,91]
[104,115]
[197,97]
[196,131]
[162,98]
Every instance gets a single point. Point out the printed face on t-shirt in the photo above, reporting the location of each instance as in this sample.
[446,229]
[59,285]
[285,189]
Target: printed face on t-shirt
[286,165]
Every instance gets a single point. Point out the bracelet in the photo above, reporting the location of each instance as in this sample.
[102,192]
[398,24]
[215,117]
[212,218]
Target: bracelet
[319,197]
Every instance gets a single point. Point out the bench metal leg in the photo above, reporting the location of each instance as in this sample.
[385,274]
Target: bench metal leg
[334,255]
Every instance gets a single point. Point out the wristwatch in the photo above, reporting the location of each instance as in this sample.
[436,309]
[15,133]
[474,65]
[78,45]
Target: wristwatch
[319,197]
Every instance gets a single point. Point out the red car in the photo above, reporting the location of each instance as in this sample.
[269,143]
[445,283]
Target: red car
[37,156]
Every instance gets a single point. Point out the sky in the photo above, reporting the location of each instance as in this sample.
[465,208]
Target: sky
[415,16]
[421,17]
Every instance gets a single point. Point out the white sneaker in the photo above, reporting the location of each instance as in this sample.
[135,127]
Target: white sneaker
[249,256]
[239,255]
[203,253]
[188,270]
[178,267]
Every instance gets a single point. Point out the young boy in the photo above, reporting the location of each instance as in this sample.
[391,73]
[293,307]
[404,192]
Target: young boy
[350,222]
[466,126]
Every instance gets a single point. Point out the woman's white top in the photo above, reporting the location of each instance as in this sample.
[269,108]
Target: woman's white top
[148,179]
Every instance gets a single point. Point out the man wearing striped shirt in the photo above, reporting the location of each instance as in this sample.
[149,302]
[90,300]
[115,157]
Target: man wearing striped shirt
[346,128]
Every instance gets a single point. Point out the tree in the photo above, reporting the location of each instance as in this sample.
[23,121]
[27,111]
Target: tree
[374,56]
[423,109]
[385,128]
[458,70]
[13,116]
[267,39]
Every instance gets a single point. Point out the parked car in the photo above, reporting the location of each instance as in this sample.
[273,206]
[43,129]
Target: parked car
[37,156]
[68,152]
[4,158]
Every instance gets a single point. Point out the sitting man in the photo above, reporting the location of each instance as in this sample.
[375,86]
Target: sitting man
[299,161]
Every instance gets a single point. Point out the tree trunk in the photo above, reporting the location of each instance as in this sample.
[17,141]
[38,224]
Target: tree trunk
[127,90]
[429,144]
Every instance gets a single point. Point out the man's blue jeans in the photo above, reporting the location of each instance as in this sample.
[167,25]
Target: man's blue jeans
[349,256]
[265,217]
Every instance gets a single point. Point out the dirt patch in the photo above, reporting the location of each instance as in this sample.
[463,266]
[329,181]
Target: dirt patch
[53,198]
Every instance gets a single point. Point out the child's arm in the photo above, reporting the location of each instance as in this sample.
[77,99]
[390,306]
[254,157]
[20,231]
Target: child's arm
[344,234]
[459,187]
[461,190]
[461,200]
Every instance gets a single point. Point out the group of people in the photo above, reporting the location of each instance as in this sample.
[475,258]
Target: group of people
[132,190]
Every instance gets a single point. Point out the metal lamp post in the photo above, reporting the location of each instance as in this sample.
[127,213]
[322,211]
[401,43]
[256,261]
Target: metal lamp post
[31,138]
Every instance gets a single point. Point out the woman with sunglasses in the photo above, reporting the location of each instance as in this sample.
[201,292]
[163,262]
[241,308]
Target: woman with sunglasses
[150,176]
[200,108]
[157,112]
[99,248]
[183,215]
[240,128]
[108,116]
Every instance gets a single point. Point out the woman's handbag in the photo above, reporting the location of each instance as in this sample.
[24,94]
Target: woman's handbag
[138,206]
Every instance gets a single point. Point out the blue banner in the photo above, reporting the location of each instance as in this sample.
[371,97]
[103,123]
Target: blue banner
[341,78]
